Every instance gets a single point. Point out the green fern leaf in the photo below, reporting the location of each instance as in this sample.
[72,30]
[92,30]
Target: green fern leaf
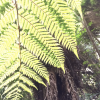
[38,31]
[4,6]
[31,61]
[11,87]
[14,96]
[31,34]
[8,39]
[26,80]
[75,4]
[41,51]
[12,78]
[25,88]
[28,72]
[10,94]
[10,70]
[50,22]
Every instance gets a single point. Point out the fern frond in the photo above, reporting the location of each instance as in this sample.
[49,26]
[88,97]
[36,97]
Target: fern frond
[25,87]
[12,78]
[66,20]
[5,6]
[8,18]
[64,14]
[41,51]
[50,22]
[31,61]
[6,58]
[32,33]
[15,96]
[9,95]
[38,31]
[11,87]
[10,70]
[75,4]
[27,80]
[28,72]
[8,39]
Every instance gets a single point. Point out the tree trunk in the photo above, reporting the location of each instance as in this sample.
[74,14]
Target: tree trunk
[62,86]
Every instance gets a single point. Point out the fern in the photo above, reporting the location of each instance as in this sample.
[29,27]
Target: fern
[33,32]
[4,6]
[75,4]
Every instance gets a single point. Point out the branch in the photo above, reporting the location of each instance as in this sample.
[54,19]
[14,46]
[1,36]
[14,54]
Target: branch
[89,33]
[95,38]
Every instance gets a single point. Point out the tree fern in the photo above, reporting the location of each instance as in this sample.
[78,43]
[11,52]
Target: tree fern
[32,32]
[75,4]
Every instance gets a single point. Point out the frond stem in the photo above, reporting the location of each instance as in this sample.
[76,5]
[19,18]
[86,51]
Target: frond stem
[18,39]
[19,32]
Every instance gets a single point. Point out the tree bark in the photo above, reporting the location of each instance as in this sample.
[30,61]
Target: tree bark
[62,86]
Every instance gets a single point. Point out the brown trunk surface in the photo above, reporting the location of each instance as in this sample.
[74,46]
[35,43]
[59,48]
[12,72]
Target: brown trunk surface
[62,86]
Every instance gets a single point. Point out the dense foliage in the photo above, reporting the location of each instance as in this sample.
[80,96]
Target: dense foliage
[32,34]
[89,49]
